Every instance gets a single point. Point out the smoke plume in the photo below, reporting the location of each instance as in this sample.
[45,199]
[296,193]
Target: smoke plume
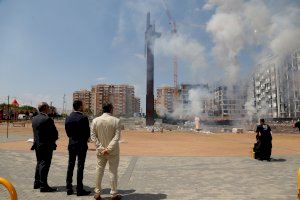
[196,98]
[186,48]
[239,24]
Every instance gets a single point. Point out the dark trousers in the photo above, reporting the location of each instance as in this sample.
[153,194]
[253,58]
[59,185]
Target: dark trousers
[263,150]
[43,157]
[80,153]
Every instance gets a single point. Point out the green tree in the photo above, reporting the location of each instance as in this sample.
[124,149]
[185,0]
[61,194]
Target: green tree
[27,109]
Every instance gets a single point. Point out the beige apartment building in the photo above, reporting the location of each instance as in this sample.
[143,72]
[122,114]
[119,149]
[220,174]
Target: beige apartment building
[85,96]
[137,105]
[121,96]
[276,87]
[165,99]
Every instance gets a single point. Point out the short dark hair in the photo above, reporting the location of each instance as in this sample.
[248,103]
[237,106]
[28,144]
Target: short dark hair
[107,107]
[262,120]
[77,104]
[42,106]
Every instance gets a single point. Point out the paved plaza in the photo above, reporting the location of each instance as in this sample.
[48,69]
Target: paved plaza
[164,166]
[154,178]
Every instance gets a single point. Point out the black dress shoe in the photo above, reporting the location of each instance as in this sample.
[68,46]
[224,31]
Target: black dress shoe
[97,196]
[36,186]
[70,191]
[118,197]
[83,192]
[48,189]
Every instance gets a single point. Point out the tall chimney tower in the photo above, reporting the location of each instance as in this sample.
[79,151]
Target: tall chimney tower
[150,36]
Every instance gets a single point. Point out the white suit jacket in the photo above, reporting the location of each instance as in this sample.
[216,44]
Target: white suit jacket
[105,133]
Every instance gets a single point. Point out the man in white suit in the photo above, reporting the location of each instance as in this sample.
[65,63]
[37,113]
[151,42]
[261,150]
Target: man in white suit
[105,133]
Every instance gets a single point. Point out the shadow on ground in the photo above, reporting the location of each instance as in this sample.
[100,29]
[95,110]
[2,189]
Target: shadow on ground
[147,196]
[278,160]
[273,160]
[64,189]
[130,195]
[122,192]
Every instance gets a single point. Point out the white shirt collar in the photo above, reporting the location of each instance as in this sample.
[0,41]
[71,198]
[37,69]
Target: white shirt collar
[106,114]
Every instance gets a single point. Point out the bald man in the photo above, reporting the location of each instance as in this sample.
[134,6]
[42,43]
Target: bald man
[45,135]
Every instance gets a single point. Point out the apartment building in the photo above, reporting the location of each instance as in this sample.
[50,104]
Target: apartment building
[85,96]
[276,87]
[165,99]
[185,98]
[137,105]
[214,101]
[121,96]
[227,101]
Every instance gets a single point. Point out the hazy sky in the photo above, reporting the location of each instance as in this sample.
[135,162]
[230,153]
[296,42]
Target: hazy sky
[49,48]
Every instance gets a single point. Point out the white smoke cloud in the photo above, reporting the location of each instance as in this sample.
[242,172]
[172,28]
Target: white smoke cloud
[186,48]
[196,98]
[235,26]
[261,111]
[258,22]
[239,24]
[224,6]
[229,38]
[285,43]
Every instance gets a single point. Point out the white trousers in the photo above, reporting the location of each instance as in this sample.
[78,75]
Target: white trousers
[113,162]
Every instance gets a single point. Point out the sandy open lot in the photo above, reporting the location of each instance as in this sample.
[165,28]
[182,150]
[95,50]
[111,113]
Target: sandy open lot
[143,143]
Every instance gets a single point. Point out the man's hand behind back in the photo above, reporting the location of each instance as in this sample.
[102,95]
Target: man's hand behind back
[105,152]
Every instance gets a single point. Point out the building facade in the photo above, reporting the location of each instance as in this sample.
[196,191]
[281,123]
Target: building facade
[121,96]
[165,100]
[227,101]
[137,105]
[276,87]
[203,100]
[85,96]
[185,98]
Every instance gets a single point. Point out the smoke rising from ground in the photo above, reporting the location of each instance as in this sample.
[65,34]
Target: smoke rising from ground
[252,112]
[196,98]
[264,28]
[238,24]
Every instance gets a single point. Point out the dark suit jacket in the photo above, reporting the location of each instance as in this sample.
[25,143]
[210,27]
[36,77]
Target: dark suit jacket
[78,130]
[45,132]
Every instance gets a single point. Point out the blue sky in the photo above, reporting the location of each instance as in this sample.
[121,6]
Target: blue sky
[53,47]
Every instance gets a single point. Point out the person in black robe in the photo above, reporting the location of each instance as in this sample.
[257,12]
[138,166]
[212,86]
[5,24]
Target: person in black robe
[297,124]
[263,146]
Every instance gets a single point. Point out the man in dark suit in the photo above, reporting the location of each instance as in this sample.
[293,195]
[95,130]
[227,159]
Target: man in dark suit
[45,135]
[78,130]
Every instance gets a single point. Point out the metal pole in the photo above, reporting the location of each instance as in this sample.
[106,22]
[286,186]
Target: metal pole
[64,102]
[7,117]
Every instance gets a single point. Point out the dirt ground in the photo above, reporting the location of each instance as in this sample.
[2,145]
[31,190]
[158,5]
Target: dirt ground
[171,143]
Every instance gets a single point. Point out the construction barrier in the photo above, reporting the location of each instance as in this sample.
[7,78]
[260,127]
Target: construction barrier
[10,188]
